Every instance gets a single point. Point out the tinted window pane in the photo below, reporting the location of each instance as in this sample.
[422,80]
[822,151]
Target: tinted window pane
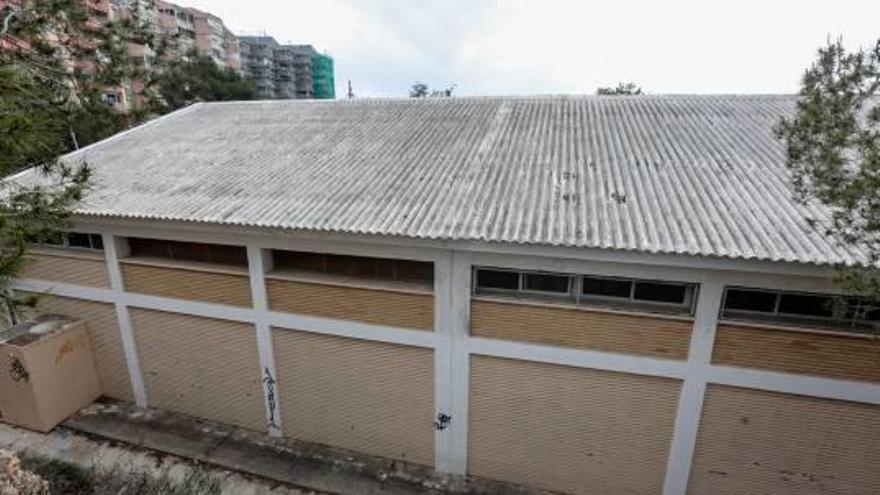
[229,255]
[872,314]
[416,271]
[97,241]
[78,240]
[148,248]
[750,300]
[806,305]
[492,279]
[608,287]
[658,292]
[546,283]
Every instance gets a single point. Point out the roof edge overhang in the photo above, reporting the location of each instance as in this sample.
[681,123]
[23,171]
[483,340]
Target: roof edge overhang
[244,233]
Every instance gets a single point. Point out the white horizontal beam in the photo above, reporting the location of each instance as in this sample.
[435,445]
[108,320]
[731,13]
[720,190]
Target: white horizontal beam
[606,361]
[787,383]
[193,308]
[96,294]
[352,329]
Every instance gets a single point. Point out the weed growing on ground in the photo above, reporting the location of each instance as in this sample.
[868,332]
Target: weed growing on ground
[70,479]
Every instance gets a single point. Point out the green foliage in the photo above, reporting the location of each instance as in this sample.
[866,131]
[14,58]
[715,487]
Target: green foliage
[422,90]
[198,78]
[418,90]
[629,88]
[51,102]
[833,153]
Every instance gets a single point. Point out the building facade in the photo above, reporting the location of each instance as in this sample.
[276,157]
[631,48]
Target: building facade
[184,31]
[286,71]
[583,295]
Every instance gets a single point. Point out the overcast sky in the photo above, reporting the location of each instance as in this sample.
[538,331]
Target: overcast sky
[554,46]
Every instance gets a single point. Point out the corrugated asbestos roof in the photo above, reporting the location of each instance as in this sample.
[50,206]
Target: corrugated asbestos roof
[697,175]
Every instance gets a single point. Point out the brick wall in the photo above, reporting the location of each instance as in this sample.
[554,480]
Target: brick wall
[190,284]
[89,269]
[200,366]
[366,396]
[834,356]
[376,306]
[577,327]
[569,429]
[755,442]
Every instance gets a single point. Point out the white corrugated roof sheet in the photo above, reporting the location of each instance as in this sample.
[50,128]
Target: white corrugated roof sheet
[696,175]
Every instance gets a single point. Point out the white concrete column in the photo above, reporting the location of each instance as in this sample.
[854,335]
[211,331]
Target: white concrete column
[114,249]
[690,404]
[452,295]
[259,263]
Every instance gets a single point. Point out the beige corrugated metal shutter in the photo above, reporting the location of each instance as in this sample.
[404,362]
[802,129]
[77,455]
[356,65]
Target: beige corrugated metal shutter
[105,340]
[200,366]
[379,307]
[755,442]
[569,429]
[192,285]
[76,269]
[578,327]
[365,396]
[849,357]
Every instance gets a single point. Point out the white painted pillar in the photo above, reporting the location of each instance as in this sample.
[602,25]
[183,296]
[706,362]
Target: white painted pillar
[259,263]
[114,249]
[690,404]
[452,363]
[444,422]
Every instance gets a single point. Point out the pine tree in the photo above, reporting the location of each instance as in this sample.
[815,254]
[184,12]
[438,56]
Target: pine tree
[57,60]
[833,153]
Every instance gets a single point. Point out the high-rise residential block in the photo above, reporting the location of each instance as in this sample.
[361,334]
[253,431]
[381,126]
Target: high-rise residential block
[286,71]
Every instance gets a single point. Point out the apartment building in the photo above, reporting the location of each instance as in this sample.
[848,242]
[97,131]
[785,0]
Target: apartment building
[213,39]
[286,71]
[185,30]
[179,25]
[577,294]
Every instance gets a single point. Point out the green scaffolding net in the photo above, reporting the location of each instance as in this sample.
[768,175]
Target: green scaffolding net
[323,76]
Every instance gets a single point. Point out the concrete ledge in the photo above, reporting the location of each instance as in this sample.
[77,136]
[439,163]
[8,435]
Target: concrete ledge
[304,465]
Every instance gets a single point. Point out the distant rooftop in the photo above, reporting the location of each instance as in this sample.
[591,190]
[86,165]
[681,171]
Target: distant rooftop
[695,175]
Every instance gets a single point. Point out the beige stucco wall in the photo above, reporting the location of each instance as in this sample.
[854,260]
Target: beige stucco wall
[375,306]
[105,340]
[76,268]
[194,285]
[764,443]
[365,396]
[849,357]
[200,366]
[578,327]
[569,429]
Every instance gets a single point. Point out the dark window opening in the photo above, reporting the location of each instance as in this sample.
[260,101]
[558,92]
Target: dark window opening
[77,240]
[806,305]
[641,295]
[188,251]
[542,282]
[360,267]
[751,300]
[801,309]
[607,287]
[496,279]
[660,292]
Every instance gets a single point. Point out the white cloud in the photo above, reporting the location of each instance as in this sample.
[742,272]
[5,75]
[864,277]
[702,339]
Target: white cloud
[560,46]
